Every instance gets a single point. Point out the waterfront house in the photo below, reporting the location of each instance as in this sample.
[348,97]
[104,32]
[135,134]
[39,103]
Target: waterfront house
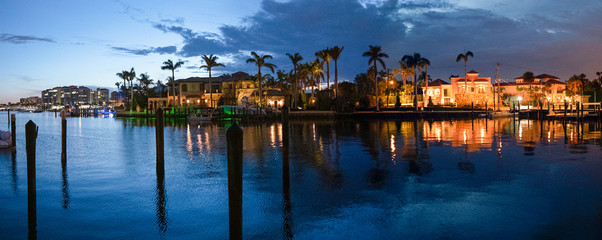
[472,90]
[545,87]
[439,92]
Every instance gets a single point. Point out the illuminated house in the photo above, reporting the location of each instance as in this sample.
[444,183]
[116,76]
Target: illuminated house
[550,87]
[473,89]
[439,92]
[236,89]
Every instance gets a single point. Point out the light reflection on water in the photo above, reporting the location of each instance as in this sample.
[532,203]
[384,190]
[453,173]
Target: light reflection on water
[328,180]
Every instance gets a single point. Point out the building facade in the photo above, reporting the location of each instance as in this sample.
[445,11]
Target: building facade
[74,96]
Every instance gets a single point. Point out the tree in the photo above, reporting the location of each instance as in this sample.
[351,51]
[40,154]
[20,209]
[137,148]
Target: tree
[414,62]
[325,56]
[424,63]
[295,58]
[260,62]
[464,56]
[123,75]
[375,55]
[170,65]
[210,62]
[315,74]
[131,75]
[335,52]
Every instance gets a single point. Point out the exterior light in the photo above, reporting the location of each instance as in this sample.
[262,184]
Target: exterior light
[391,82]
[520,98]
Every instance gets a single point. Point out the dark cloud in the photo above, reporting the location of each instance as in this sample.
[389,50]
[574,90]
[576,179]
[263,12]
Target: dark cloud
[20,39]
[439,30]
[144,52]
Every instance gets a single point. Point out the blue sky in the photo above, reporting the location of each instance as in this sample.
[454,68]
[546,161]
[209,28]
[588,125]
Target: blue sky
[45,44]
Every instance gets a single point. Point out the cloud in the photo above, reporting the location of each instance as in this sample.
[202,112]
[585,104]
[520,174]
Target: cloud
[438,29]
[144,52]
[21,39]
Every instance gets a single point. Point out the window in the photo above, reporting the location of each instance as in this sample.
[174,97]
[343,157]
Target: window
[184,88]
[472,89]
[445,94]
[437,92]
[481,89]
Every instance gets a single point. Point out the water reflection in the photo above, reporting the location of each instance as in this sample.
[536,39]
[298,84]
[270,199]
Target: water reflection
[65,185]
[161,201]
[287,215]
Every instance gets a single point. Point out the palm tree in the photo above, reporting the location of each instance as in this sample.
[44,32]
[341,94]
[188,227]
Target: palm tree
[123,75]
[259,61]
[334,54]
[145,82]
[295,58]
[464,56]
[131,75]
[170,65]
[315,73]
[413,62]
[325,56]
[210,62]
[375,55]
[424,63]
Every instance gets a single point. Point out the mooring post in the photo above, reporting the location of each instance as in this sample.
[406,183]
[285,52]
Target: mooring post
[578,113]
[8,117]
[472,109]
[63,136]
[159,140]
[234,136]
[31,133]
[13,131]
[284,113]
[565,106]
[287,223]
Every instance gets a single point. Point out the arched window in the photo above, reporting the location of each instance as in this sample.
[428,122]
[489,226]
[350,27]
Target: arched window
[184,88]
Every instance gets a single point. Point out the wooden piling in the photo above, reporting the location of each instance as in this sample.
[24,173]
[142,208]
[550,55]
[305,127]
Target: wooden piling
[578,112]
[63,136]
[31,133]
[13,131]
[8,118]
[234,136]
[565,106]
[287,223]
[472,109]
[159,140]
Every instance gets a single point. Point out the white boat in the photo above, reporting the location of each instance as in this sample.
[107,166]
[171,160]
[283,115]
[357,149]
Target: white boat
[6,139]
[203,116]
[499,114]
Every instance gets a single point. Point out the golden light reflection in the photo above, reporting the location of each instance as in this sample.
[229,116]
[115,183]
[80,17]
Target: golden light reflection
[188,140]
[199,143]
[393,154]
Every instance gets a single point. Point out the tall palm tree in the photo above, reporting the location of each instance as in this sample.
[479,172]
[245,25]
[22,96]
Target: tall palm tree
[325,56]
[375,55]
[295,58]
[170,65]
[316,73]
[424,63]
[413,62]
[210,62]
[131,76]
[259,61]
[334,54]
[464,56]
[123,75]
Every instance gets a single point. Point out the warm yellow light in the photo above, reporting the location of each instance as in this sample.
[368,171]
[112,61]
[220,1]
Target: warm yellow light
[520,98]
[391,82]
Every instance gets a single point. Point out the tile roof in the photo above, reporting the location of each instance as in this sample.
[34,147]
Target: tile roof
[473,71]
[437,82]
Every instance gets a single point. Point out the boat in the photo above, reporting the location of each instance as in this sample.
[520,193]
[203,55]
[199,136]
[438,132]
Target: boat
[497,114]
[6,139]
[203,116]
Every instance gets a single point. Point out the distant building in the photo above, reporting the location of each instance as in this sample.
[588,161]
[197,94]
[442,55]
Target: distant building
[74,96]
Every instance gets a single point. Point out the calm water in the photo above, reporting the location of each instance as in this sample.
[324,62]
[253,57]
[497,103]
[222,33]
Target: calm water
[347,180]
